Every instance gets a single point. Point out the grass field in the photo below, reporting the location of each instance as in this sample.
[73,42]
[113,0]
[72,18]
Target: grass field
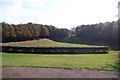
[82,61]
[44,43]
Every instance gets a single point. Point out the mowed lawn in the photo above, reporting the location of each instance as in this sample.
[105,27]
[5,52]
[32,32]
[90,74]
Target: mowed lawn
[44,43]
[81,61]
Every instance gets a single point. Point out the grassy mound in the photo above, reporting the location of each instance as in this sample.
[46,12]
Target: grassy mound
[43,43]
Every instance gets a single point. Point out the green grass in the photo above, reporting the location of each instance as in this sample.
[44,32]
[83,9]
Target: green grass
[44,43]
[81,61]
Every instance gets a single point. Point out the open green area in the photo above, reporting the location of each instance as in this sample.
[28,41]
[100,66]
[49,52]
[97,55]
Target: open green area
[44,43]
[82,61]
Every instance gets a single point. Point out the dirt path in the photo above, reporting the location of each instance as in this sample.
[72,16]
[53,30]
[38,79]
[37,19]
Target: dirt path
[30,72]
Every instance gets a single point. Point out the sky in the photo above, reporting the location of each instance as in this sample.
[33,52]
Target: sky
[59,13]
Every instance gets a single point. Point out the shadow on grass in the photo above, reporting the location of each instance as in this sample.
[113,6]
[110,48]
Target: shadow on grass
[115,66]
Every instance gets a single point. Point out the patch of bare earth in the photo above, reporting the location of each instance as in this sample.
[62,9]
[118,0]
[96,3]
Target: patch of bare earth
[32,72]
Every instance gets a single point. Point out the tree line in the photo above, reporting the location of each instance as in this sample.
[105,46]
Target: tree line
[105,32]
[11,32]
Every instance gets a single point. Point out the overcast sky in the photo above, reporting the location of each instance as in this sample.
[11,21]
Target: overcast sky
[60,13]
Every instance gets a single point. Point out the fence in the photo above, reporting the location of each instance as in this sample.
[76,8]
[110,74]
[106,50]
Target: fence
[55,50]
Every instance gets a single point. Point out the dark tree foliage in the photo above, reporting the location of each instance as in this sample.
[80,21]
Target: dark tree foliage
[57,33]
[119,34]
[105,32]
[44,31]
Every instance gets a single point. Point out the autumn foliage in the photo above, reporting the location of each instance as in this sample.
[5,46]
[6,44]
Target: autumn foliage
[11,32]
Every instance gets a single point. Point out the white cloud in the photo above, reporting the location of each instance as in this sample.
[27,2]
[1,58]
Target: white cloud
[61,13]
[79,12]
[34,3]
[16,12]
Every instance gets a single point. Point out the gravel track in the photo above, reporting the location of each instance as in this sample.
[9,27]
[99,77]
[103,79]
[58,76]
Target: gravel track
[32,72]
